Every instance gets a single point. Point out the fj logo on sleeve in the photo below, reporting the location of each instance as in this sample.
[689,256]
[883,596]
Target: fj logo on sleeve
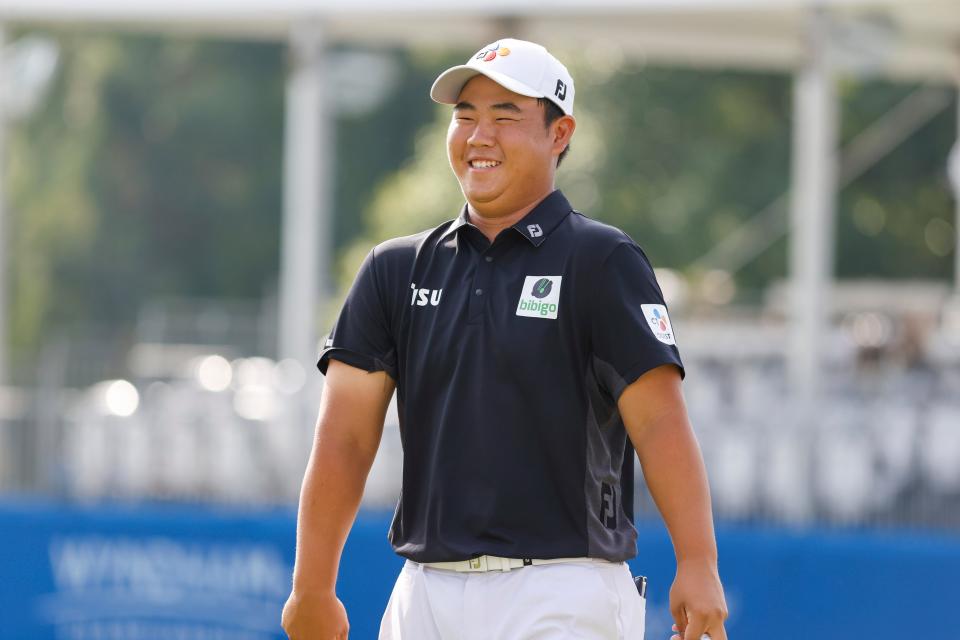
[534,230]
[659,322]
[540,297]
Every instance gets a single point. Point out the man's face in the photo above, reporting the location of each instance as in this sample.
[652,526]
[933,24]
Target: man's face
[499,148]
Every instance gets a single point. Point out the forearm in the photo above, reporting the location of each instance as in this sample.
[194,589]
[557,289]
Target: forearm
[329,499]
[674,472]
[656,419]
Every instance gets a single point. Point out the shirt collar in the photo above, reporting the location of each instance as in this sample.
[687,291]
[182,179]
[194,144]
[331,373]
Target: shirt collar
[457,223]
[536,225]
[544,218]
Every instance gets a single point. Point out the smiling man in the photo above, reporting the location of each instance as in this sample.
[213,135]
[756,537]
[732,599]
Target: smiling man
[532,353]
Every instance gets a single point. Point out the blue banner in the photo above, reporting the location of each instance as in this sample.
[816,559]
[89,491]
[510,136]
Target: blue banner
[201,573]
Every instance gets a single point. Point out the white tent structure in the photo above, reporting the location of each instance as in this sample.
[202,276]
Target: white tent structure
[917,40]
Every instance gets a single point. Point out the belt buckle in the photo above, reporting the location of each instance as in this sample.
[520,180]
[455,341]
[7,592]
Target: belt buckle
[478,564]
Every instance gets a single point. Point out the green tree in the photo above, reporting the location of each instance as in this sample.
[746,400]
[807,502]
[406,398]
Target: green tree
[680,158]
[154,169]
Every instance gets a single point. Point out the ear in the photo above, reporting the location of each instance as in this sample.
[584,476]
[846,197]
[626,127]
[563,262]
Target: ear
[562,131]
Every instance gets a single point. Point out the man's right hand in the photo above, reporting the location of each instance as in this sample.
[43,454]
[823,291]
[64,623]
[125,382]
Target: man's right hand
[315,616]
[349,427]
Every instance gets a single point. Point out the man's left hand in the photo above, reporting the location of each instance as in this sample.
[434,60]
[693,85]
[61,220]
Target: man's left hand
[697,602]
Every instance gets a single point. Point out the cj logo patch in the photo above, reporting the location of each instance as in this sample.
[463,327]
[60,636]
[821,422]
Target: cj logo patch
[422,297]
[659,321]
[540,297]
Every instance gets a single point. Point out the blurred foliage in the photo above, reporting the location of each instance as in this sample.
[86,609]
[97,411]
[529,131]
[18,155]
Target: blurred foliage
[663,154]
[897,220]
[151,170]
[154,167]
[680,158]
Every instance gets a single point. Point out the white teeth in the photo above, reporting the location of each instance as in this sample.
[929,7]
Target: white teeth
[483,164]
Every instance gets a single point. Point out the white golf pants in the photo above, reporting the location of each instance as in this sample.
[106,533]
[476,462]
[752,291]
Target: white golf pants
[564,601]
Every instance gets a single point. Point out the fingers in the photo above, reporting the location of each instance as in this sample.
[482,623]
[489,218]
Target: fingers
[706,636]
[680,618]
[700,627]
[696,627]
[719,634]
[714,624]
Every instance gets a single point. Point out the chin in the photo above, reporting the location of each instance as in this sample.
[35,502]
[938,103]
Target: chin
[481,196]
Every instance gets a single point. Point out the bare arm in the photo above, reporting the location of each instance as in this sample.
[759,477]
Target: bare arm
[348,432]
[656,419]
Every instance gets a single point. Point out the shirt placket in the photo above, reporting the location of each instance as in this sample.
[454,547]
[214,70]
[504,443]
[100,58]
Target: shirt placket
[480,290]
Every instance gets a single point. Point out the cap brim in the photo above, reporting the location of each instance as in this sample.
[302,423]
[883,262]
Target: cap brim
[448,85]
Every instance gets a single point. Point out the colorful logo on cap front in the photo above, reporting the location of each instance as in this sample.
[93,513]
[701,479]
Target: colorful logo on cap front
[489,54]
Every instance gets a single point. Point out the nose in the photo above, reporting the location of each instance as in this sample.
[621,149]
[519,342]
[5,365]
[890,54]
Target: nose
[482,135]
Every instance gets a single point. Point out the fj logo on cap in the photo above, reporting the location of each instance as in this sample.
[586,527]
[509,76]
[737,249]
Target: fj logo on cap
[561,90]
[659,322]
[540,297]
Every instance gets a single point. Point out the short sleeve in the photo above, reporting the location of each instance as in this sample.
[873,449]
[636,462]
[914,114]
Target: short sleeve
[631,331]
[361,335]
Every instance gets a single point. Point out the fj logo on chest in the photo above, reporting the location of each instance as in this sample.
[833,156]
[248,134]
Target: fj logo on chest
[540,297]
[423,297]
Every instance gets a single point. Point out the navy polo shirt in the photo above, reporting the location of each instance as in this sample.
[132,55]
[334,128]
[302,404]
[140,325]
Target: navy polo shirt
[509,358]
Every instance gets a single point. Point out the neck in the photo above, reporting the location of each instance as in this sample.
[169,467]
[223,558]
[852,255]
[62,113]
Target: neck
[491,223]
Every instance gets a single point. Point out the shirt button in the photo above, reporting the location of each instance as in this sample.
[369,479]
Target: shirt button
[479,292]
[489,258]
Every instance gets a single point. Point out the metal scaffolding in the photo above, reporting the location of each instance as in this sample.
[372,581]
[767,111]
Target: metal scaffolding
[4,271]
[813,209]
[305,249]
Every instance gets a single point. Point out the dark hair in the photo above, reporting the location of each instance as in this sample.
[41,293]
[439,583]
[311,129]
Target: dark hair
[552,113]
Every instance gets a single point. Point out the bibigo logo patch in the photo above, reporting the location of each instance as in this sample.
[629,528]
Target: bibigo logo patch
[540,297]
[659,321]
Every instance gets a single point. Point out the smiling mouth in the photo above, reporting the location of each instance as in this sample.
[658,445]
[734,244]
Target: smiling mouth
[484,164]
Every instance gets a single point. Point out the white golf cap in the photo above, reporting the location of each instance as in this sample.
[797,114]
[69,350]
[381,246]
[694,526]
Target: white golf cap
[520,66]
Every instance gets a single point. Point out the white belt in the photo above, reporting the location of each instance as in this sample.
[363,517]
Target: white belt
[496,563]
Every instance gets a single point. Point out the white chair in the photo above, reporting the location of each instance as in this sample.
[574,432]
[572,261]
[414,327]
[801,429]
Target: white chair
[732,468]
[134,456]
[179,462]
[845,475]
[893,426]
[940,448]
[785,475]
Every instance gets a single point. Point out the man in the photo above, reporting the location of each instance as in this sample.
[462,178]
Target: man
[525,341]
